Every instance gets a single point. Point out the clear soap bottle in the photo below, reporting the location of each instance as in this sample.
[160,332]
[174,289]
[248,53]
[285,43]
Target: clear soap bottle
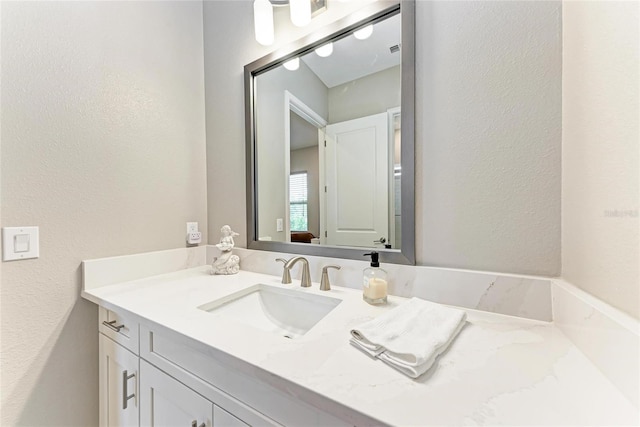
[374,282]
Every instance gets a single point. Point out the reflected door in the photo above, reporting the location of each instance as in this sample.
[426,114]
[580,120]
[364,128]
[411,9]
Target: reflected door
[357,178]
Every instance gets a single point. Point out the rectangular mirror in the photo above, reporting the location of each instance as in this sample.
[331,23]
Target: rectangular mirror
[330,140]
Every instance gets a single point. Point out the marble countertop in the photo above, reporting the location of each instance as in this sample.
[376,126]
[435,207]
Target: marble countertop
[500,370]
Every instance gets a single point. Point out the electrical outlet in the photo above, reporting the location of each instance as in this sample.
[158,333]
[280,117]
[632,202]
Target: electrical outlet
[192,227]
[194,237]
[279,224]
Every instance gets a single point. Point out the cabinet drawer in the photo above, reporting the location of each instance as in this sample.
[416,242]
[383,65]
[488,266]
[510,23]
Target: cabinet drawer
[246,397]
[222,418]
[182,362]
[121,328]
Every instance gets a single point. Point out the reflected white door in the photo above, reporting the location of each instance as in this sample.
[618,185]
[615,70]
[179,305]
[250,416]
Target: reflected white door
[356,173]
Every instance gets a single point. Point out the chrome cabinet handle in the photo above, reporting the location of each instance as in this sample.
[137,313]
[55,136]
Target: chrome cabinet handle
[125,393]
[112,325]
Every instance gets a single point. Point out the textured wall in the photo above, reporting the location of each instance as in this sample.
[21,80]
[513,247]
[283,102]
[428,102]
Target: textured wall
[488,88]
[600,178]
[103,147]
[488,94]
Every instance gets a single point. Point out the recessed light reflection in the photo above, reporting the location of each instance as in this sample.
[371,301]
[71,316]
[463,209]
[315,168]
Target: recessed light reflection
[292,64]
[325,50]
[364,33]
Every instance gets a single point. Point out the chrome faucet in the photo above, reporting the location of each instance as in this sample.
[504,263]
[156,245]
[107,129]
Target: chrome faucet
[324,283]
[305,282]
[286,273]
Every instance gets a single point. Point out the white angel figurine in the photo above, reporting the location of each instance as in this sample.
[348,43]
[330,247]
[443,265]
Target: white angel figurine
[226,263]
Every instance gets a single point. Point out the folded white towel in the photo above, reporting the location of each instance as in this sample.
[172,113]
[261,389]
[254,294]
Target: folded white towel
[410,336]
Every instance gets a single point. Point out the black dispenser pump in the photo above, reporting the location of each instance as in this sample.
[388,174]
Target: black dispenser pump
[374,259]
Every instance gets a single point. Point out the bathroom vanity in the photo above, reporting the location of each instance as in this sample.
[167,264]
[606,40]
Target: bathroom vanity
[168,356]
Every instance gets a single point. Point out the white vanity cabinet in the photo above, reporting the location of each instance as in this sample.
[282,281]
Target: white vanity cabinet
[167,402]
[151,376]
[119,375]
[119,380]
[222,418]
[134,392]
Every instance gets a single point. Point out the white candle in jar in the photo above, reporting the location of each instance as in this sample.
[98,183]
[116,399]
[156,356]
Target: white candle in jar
[377,288]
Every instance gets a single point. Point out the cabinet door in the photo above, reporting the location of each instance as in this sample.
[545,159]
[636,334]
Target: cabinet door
[167,402]
[118,381]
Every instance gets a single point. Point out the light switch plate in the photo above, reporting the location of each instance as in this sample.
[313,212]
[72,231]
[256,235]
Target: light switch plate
[192,227]
[20,243]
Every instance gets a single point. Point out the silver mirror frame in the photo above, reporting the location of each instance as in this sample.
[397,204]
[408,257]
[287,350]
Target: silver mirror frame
[373,13]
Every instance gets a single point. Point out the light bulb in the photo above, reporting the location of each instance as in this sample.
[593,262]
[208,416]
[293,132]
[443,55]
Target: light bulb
[300,12]
[292,64]
[364,32]
[325,50]
[263,21]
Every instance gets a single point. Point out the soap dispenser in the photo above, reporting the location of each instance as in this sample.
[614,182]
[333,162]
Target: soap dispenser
[374,282]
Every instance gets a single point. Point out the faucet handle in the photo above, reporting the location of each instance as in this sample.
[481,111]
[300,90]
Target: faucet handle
[286,273]
[324,282]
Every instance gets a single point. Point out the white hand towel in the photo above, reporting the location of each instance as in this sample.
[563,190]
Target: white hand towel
[372,351]
[410,336]
[414,371]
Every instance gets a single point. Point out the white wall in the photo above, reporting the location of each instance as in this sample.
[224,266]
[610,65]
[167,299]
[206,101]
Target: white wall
[488,87]
[600,159]
[270,116]
[1,317]
[369,95]
[103,147]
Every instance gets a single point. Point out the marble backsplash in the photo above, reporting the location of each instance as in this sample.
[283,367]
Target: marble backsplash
[107,271]
[521,296]
[608,337]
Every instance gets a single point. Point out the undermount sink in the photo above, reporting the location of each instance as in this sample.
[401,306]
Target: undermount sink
[287,312]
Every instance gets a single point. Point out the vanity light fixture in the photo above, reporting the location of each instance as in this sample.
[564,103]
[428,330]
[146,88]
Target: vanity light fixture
[263,21]
[292,64]
[326,50]
[301,12]
[364,32]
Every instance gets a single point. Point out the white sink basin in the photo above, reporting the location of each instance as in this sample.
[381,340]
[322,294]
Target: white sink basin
[287,312]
